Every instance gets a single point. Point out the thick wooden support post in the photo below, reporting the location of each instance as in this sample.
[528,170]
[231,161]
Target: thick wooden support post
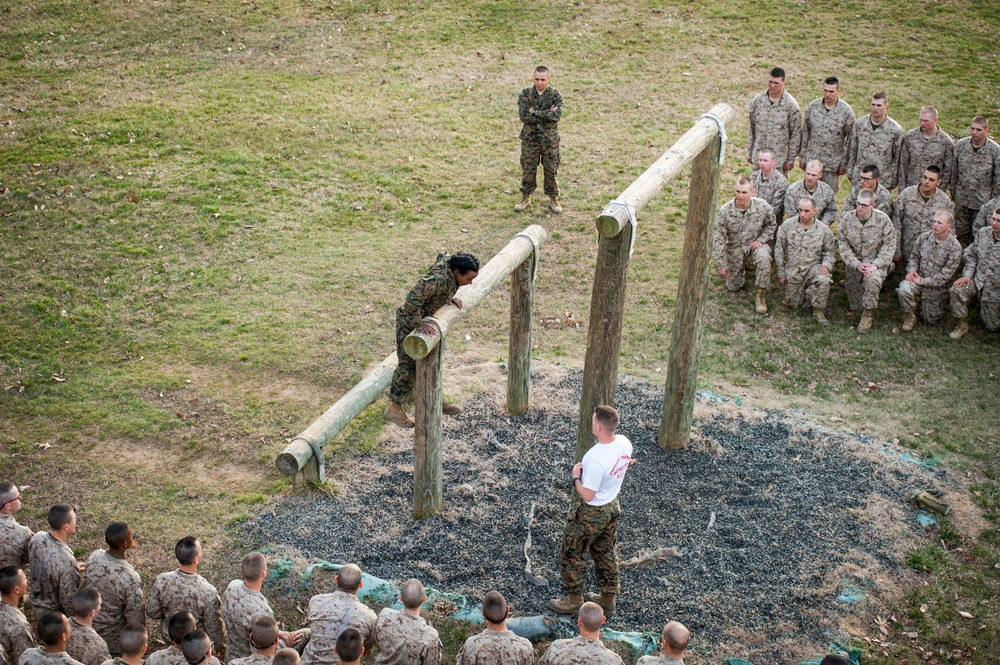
[604,333]
[692,290]
[522,297]
[427,463]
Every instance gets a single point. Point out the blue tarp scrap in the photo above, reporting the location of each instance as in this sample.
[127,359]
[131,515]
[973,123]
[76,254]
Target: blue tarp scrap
[853,655]
[926,462]
[853,591]
[926,520]
[737,661]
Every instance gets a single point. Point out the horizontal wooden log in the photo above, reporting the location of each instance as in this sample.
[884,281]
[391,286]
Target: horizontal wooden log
[613,219]
[418,344]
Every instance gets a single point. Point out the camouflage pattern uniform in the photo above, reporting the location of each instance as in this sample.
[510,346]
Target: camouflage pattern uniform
[936,262]
[252,659]
[15,632]
[734,231]
[121,596]
[175,591]
[975,177]
[173,655]
[39,656]
[432,291]
[775,125]
[826,200]
[496,646]
[883,200]
[872,241]
[660,660]
[85,645]
[914,215]
[593,529]
[329,614]
[114,661]
[14,539]
[241,607]
[917,152]
[771,190]
[798,254]
[982,264]
[54,577]
[985,214]
[540,138]
[403,639]
[579,650]
[877,145]
[824,137]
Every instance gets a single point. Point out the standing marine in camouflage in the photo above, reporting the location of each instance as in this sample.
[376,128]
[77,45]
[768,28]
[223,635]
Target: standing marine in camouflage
[814,187]
[935,257]
[927,145]
[915,210]
[585,647]
[15,631]
[980,281]
[870,180]
[53,633]
[540,107]
[867,241]
[673,641]
[433,291]
[875,139]
[825,129]
[769,183]
[775,122]
[55,573]
[331,613]
[119,584]
[804,255]
[975,176]
[496,643]
[84,644]
[14,537]
[984,215]
[743,227]
[403,636]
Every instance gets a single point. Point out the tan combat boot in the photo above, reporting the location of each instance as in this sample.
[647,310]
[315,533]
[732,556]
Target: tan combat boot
[820,317]
[394,413]
[523,205]
[761,301]
[569,605]
[450,409]
[554,204]
[909,320]
[960,329]
[865,324]
[605,600]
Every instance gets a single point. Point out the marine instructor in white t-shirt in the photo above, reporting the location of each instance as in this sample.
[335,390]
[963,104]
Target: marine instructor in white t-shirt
[592,524]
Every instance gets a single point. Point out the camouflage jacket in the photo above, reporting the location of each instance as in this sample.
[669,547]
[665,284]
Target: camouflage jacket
[872,241]
[735,230]
[172,655]
[544,123]
[982,264]
[797,249]
[431,292]
[914,215]
[175,591]
[114,661]
[121,596]
[252,659]
[241,606]
[771,190]
[491,647]
[403,639]
[15,632]
[878,145]
[935,261]
[883,200]
[975,175]
[660,660]
[776,125]
[917,152]
[825,133]
[14,539]
[85,645]
[579,650]
[39,656]
[54,577]
[329,614]
[985,214]
[826,200]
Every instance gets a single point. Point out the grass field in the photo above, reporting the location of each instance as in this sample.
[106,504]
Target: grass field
[198,257]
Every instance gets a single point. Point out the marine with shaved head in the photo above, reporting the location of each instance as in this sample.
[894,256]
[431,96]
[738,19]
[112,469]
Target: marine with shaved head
[403,637]
[585,647]
[497,643]
[330,613]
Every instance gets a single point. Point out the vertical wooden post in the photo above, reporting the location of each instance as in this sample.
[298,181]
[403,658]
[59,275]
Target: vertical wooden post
[522,297]
[309,474]
[427,462]
[692,290]
[604,332]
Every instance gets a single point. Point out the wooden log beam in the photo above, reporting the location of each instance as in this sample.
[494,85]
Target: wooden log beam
[418,344]
[614,218]
[428,466]
[522,296]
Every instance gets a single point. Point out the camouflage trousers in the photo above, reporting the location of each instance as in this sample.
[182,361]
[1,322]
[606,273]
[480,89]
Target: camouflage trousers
[814,288]
[962,297]
[546,152]
[761,258]
[406,371]
[831,178]
[933,302]
[964,217]
[862,292]
[591,529]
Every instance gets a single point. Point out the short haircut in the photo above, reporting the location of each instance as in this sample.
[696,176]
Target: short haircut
[834,659]
[935,169]
[133,639]
[929,110]
[866,194]
[881,95]
[815,162]
[186,550]
[591,616]
[676,635]
[778,73]
[349,645]
[810,200]
[608,417]
[116,534]
[196,646]
[179,625]
[831,80]
[872,170]
[464,262]
[541,69]
[349,578]
[264,632]
[60,515]
[995,212]
[9,578]
[253,565]
[85,601]
[947,214]
[7,492]
[744,180]
[494,607]
[767,152]
[412,593]
[51,628]
[286,656]
[981,120]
